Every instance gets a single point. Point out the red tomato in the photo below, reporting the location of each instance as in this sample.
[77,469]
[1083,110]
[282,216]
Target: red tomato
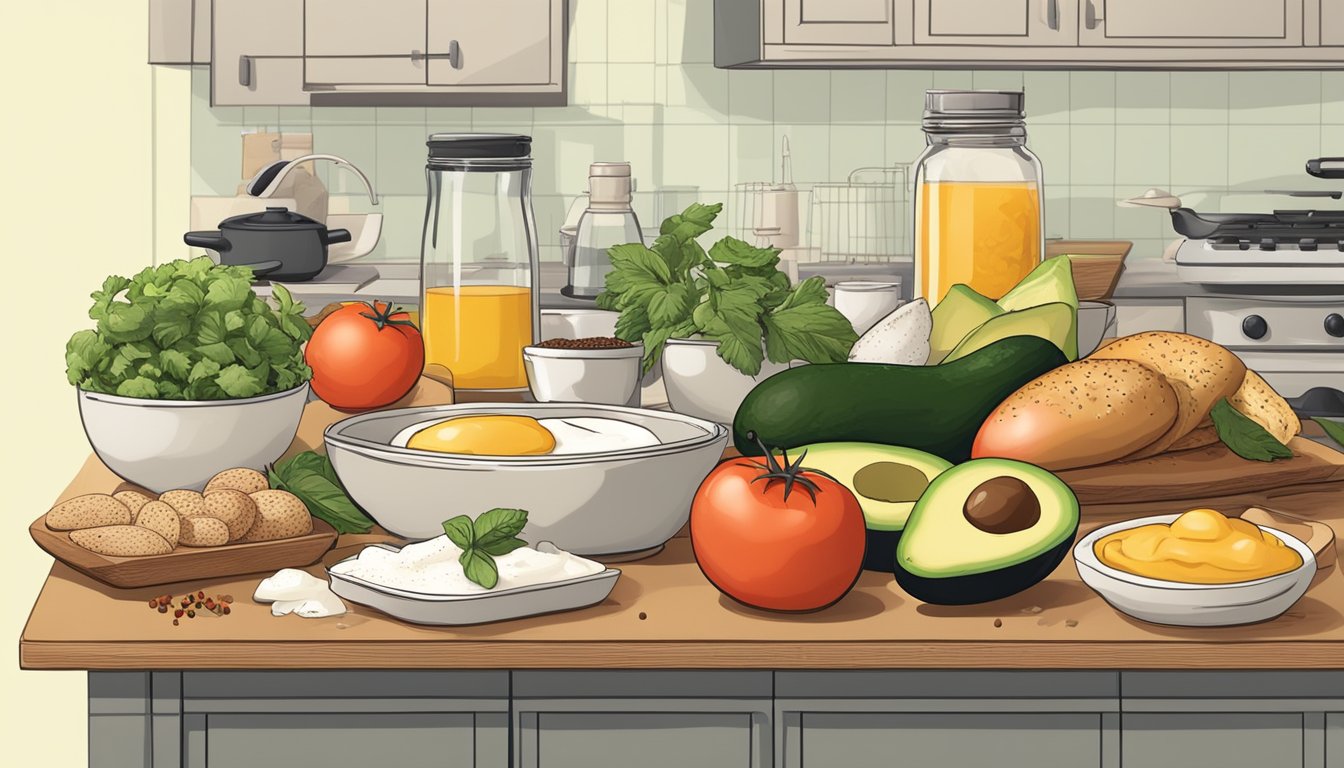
[365,356]
[777,537]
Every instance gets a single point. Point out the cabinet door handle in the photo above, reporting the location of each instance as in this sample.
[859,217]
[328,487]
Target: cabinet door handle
[454,55]
[245,71]
[1052,14]
[1090,18]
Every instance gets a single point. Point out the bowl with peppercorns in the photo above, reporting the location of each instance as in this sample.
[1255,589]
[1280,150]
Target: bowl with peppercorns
[597,369]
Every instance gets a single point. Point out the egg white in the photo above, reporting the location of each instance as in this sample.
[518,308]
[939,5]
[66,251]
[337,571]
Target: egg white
[576,435]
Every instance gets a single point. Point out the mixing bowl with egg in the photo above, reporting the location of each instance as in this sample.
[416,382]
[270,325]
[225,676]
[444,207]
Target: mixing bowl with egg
[596,480]
[1195,569]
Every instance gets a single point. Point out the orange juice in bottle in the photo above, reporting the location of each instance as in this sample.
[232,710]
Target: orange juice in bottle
[978,213]
[480,299]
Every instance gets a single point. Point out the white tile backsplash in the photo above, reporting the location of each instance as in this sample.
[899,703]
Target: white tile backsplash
[643,88]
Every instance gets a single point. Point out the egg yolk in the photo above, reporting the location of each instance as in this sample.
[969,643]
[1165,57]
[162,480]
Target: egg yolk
[1199,547]
[485,436]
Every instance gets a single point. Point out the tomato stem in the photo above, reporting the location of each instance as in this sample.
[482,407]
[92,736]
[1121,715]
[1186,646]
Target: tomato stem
[789,473]
[383,318]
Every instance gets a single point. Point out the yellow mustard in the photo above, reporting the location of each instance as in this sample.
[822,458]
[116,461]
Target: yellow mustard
[1199,547]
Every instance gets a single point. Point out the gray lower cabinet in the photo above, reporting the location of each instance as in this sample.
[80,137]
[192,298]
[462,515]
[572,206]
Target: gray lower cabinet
[661,719]
[383,739]
[1223,739]
[1334,740]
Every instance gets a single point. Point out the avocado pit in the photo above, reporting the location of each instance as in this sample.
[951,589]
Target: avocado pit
[890,482]
[1002,505]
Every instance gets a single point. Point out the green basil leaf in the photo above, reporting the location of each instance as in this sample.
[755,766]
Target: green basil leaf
[1333,429]
[460,532]
[498,524]
[691,223]
[238,382]
[501,547]
[138,387]
[1244,437]
[480,568]
[670,305]
[218,352]
[812,332]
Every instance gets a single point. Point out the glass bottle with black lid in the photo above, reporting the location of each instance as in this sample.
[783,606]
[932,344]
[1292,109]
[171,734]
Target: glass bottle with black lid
[480,286]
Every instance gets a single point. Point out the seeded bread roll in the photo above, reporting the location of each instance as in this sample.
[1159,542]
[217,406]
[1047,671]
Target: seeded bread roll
[121,541]
[133,500]
[1200,373]
[236,509]
[89,511]
[1201,437]
[187,503]
[280,515]
[202,531]
[1085,413]
[1261,404]
[162,519]
[238,479]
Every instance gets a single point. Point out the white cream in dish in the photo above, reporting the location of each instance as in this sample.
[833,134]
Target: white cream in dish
[431,568]
[291,590]
[573,435]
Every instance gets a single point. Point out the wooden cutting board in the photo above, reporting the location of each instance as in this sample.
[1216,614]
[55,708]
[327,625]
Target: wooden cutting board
[1208,472]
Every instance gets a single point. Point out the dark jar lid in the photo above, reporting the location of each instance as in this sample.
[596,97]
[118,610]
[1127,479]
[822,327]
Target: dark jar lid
[271,220]
[478,146]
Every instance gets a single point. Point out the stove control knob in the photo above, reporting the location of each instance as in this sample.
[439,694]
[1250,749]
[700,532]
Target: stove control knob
[1334,325]
[1254,327]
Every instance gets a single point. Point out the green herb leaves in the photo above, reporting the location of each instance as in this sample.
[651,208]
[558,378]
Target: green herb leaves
[735,295]
[189,330]
[1244,437]
[493,534]
[1333,429]
[310,476]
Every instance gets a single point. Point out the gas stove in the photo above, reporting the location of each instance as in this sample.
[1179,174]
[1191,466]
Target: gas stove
[1300,248]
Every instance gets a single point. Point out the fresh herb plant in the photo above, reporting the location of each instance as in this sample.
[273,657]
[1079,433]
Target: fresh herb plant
[310,476]
[1333,429]
[493,534]
[735,294]
[189,330]
[1244,437]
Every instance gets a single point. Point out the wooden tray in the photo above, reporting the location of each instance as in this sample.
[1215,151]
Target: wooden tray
[1213,471]
[186,563]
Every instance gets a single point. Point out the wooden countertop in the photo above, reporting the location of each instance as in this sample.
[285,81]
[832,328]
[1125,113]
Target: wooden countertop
[664,614]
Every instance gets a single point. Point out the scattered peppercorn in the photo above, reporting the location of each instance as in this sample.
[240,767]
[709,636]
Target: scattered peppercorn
[154,603]
[163,609]
[174,622]
[590,342]
[226,610]
[200,595]
[998,622]
[227,598]
[178,613]
[643,615]
[191,614]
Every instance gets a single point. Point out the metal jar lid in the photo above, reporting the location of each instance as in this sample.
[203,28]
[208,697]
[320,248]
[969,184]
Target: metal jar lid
[956,110]
[479,151]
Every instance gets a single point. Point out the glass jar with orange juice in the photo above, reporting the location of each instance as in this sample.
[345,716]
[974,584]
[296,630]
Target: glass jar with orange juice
[479,271]
[978,212]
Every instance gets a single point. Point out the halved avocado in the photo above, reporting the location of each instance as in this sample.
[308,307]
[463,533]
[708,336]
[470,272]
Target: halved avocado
[886,479]
[985,530]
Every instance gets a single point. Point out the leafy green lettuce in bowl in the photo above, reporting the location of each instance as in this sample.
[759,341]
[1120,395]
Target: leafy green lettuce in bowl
[189,330]
[734,294]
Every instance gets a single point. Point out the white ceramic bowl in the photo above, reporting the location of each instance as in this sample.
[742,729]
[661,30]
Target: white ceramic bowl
[606,503]
[1192,605]
[577,323]
[1094,319]
[167,444]
[601,376]
[700,384]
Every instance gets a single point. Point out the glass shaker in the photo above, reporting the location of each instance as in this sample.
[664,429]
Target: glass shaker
[479,272]
[978,212]
[608,220]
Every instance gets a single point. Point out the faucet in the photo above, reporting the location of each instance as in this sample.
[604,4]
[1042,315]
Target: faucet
[267,181]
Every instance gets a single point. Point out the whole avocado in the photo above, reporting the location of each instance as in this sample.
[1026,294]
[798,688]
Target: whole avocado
[932,408]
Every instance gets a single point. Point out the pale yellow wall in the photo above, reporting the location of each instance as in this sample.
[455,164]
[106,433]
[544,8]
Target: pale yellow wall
[76,204]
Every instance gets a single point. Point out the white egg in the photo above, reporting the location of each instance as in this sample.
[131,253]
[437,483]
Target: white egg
[596,435]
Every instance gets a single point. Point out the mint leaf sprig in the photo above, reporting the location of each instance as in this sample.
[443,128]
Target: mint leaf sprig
[734,294]
[492,534]
[1244,437]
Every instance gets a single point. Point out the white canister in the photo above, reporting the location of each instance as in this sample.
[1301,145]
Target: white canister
[865,302]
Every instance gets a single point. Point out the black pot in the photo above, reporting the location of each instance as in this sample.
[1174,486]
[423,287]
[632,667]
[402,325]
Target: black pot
[277,244]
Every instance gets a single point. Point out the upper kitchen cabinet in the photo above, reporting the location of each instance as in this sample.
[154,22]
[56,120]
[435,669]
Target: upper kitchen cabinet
[1030,34]
[179,31]
[996,22]
[1192,23]
[389,53]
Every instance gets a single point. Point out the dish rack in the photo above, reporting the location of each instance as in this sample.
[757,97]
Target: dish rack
[863,219]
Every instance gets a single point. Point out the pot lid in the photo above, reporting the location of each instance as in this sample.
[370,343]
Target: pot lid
[272,219]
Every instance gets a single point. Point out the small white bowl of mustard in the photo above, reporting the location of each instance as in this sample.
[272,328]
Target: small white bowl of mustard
[1212,601]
